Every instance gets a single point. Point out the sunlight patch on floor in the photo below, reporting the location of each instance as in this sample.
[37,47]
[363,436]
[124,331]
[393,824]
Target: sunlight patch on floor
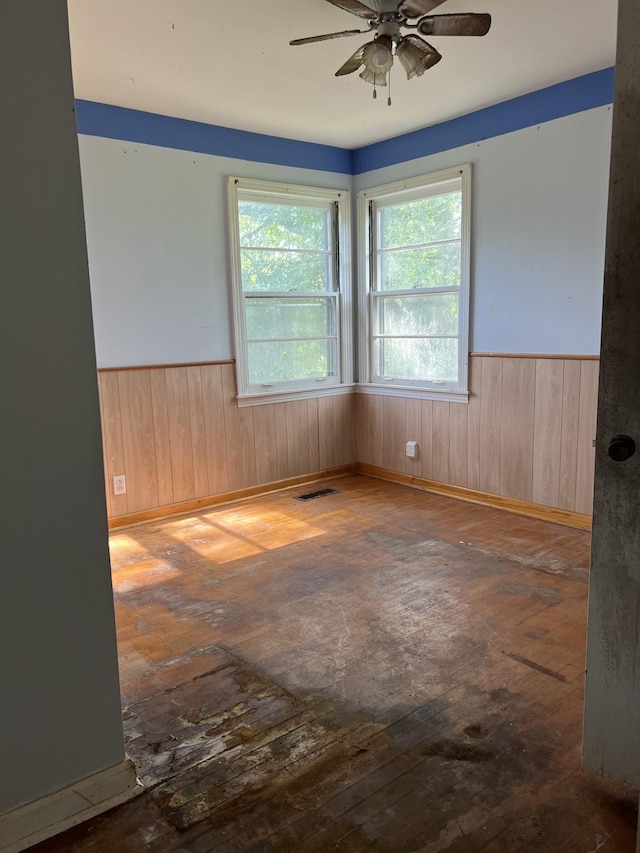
[268,529]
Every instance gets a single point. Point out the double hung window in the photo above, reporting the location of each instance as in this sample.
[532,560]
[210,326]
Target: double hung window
[415,284]
[291,306]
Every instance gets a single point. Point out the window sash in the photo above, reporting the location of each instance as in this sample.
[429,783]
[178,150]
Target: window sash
[378,338]
[334,338]
[329,378]
[332,305]
[402,378]
[373,339]
[443,265]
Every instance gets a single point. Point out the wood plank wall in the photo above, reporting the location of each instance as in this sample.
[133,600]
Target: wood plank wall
[178,435]
[526,433]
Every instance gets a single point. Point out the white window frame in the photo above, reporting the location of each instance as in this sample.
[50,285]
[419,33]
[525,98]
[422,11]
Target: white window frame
[283,193]
[424,186]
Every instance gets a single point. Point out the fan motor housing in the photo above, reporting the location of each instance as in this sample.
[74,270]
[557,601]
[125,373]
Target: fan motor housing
[390,29]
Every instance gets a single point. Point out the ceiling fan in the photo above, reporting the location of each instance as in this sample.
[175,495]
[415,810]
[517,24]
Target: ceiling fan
[387,19]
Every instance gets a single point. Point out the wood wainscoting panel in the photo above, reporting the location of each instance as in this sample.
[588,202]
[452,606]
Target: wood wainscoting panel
[313,434]
[264,428]
[394,419]
[516,427]
[490,391]
[370,417]
[138,439]
[426,440]
[178,435]
[215,428]
[362,404]
[240,440]
[346,425]
[282,449]
[440,442]
[473,424]
[160,403]
[569,434]
[525,433]
[105,455]
[376,425]
[198,432]
[547,431]
[113,444]
[326,432]
[297,437]
[458,438]
[586,434]
[413,432]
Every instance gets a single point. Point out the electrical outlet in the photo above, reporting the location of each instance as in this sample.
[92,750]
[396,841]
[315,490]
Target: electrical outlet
[412,449]
[119,484]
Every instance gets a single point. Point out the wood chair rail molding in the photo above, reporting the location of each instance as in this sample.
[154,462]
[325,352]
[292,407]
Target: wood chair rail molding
[535,355]
[164,366]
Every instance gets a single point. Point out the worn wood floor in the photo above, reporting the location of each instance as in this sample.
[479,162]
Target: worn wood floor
[375,670]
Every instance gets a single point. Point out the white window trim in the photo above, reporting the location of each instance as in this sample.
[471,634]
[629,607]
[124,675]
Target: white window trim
[292,193]
[423,185]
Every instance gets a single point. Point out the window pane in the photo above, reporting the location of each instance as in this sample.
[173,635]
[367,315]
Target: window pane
[434,359]
[289,318]
[283,271]
[403,269]
[282,226]
[431,314]
[287,361]
[424,221]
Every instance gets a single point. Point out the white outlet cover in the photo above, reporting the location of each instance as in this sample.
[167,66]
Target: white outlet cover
[119,484]
[412,449]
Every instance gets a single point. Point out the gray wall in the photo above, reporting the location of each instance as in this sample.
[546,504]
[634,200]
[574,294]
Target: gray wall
[157,236]
[538,232]
[60,717]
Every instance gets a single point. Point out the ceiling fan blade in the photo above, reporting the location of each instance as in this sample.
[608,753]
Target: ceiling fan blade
[327,36]
[355,7]
[464,24]
[418,8]
[353,63]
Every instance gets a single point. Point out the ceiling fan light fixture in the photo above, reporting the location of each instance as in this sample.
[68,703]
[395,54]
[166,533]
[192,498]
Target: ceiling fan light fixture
[387,19]
[378,56]
[376,79]
[414,59]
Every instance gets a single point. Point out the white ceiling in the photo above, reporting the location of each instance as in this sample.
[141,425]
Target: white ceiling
[230,64]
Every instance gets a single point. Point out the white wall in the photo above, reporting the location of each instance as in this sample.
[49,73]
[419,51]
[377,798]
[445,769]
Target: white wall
[157,238]
[60,716]
[539,219]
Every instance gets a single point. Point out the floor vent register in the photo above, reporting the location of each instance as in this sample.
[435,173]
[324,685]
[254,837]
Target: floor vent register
[320,493]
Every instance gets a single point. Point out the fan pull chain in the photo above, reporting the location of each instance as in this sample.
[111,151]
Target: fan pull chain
[389,98]
[375,94]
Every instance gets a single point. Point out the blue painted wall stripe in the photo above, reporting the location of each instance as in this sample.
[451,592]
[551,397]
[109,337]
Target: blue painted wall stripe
[95,119]
[563,99]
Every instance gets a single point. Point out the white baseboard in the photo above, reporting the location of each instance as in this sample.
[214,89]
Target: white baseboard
[31,823]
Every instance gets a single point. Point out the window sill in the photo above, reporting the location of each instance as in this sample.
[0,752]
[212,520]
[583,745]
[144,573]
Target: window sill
[267,397]
[413,393]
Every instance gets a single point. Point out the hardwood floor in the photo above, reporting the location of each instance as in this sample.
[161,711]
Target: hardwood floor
[376,670]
